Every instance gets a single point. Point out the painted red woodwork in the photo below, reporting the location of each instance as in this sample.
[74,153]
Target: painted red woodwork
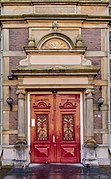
[55,128]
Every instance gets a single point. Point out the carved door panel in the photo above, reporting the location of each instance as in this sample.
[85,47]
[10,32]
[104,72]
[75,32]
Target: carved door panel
[55,128]
[41,128]
[68,128]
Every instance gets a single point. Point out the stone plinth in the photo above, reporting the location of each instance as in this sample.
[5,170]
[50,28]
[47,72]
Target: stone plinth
[90,155]
[21,154]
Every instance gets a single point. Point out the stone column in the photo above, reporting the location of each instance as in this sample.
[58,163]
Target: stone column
[89,114]
[21,114]
[21,144]
[90,157]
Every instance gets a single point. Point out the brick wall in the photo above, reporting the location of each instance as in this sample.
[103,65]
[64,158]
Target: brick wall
[98,138]
[97,93]
[14,62]
[12,94]
[96,62]
[18,38]
[97,120]
[92,39]
[12,139]
[13,120]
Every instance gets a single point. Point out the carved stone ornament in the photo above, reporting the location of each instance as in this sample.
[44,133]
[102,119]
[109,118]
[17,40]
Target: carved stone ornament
[89,93]
[86,62]
[21,93]
[24,62]
[91,143]
[31,43]
[55,26]
[55,43]
[79,41]
[21,144]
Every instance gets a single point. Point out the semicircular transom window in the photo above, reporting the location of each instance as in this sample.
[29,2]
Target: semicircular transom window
[55,43]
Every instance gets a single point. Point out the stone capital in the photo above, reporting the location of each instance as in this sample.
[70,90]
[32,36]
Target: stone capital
[21,93]
[89,90]
[89,93]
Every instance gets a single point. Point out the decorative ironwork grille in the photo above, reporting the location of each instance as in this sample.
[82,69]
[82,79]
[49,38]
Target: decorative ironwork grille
[42,127]
[68,127]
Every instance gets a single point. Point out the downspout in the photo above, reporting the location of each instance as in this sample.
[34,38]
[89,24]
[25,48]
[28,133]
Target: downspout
[1,90]
[108,90]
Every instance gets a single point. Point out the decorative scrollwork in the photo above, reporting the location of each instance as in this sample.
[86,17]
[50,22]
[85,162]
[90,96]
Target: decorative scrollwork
[41,105]
[68,105]
[42,127]
[68,127]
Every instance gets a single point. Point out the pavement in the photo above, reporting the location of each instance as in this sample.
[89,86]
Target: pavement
[59,171]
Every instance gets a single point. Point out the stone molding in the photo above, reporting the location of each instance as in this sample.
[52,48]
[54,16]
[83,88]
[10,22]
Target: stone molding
[31,17]
[55,1]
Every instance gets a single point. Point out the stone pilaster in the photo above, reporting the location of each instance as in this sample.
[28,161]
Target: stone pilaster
[89,114]
[90,157]
[21,114]
[21,144]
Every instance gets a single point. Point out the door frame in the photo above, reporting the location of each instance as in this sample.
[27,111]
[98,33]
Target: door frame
[81,116]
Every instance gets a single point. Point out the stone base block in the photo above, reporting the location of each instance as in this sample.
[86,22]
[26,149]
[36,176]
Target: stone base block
[8,155]
[96,156]
[104,158]
[90,156]
[13,157]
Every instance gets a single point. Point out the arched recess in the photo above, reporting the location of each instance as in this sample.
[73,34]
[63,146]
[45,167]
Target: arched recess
[55,41]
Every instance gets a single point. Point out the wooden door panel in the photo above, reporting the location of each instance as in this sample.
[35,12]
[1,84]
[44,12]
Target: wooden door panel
[41,134]
[69,153]
[68,107]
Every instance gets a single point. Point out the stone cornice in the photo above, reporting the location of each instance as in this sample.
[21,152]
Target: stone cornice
[81,17]
[54,71]
[27,2]
[75,51]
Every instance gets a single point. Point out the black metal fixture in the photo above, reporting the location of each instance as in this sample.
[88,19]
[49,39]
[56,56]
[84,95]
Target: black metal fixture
[10,103]
[100,102]
[11,76]
[54,91]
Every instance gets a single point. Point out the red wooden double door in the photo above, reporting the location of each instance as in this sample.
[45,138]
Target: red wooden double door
[55,128]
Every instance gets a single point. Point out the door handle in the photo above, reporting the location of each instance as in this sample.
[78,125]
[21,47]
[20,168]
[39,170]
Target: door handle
[53,138]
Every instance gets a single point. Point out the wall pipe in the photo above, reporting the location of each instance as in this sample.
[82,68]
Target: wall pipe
[108,89]
[1,82]
[1,86]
